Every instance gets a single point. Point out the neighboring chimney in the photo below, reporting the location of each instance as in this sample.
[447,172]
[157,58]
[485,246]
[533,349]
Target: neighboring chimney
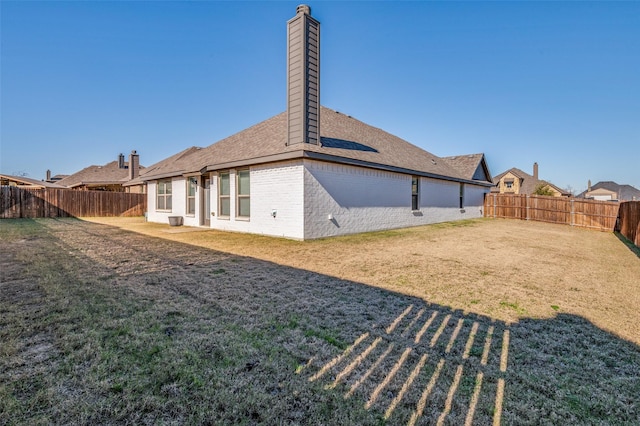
[134,165]
[535,171]
[303,78]
[589,185]
[48,179]
[121,161]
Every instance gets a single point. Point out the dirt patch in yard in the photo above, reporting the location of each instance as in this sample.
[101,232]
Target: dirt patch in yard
[471,323]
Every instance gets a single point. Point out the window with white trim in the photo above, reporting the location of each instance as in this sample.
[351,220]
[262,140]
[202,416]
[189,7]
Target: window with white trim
[192,184]
[224,195]
[163,195]
[243,192]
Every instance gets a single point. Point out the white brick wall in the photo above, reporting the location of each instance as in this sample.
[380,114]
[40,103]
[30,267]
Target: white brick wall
[313,199]
[343,199]
[275,187]
[474,199]
[178,201]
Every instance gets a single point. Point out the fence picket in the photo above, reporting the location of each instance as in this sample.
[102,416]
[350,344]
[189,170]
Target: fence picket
[600,215]
[629,221]
[18,202]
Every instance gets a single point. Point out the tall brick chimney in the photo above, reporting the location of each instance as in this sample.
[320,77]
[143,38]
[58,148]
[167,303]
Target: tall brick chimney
[121,161]
[48,179]
[535,171]
[134,165]
[303,78]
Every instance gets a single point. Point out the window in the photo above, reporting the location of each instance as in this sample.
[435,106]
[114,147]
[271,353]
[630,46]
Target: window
[415,193]
[508,184]
[163,193]
[224,191]
[192,183]
[243,190]
[462,195]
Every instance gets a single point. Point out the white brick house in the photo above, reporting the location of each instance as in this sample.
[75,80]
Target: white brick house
[312,172]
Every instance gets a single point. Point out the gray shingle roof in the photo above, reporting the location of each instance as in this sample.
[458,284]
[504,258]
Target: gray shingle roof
[344,140]
[472,166]
[177,164]
[109,174]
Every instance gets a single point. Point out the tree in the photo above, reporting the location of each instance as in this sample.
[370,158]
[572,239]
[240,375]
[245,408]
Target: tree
[543,189]
[570,190]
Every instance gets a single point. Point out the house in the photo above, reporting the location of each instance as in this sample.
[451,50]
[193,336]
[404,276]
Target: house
[25,182]
[515,181]
[610,191]
[313,172]
[109,177]
[55,178]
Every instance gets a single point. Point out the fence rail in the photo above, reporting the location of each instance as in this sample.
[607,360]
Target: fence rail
[600,215]
[49,202]
[629,221]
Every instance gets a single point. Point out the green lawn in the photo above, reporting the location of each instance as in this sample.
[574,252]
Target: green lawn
[102,325]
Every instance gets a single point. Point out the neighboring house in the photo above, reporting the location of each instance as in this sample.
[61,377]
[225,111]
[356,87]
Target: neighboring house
[610,191]
[515,181]
[25,182]
[110,177]
[54,179]
[313,172]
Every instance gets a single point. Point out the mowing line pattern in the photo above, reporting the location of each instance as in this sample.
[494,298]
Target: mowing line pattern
[426,364]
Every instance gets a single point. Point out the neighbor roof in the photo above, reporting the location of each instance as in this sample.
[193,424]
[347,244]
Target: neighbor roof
[528,183]
[109,174]
[344,140]
[28,182]
[623,192]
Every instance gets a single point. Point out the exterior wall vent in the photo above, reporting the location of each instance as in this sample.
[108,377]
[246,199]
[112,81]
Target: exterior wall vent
[303,78]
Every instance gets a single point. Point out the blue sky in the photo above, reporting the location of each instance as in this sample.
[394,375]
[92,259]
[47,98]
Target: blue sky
[556,83]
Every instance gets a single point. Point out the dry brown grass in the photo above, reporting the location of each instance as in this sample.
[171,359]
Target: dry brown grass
[475,322]
[503,269]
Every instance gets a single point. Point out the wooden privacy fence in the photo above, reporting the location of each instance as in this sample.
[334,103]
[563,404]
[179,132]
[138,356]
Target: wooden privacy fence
[629,221]
[600,215]
[49,202]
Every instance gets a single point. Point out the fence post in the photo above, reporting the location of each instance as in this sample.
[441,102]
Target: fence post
[494,205]
[571,213]
[526,207]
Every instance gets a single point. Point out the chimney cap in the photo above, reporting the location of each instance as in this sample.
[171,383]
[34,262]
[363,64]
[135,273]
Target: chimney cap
[304,9]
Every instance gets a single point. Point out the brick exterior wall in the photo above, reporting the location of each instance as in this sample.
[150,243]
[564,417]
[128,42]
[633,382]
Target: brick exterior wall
[178,202]
[274,187]
[343,199]
[307,199]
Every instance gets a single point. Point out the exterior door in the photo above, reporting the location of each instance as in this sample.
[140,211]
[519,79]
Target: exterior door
[206,202]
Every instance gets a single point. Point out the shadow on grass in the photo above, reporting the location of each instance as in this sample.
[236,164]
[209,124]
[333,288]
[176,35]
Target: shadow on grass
[127,328]
[635,249]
